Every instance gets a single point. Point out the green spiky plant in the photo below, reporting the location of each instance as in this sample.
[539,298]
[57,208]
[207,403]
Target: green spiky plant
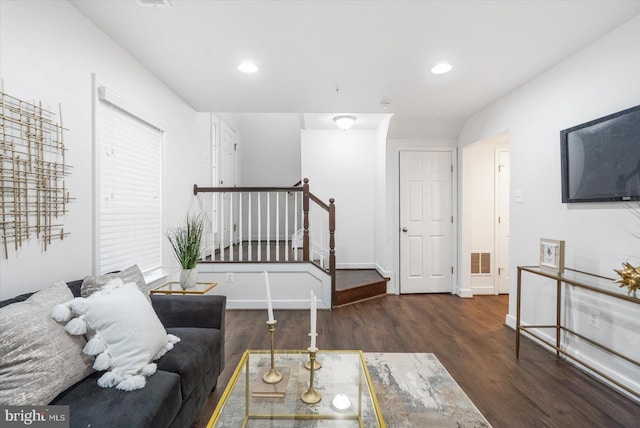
[185,241]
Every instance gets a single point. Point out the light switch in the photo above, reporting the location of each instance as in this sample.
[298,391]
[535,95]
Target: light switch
[518,197]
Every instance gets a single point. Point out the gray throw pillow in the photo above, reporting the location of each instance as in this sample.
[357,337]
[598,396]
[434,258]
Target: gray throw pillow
[38,359]
[91,284]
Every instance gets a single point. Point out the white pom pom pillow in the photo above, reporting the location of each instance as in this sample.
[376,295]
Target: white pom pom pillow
[125,333]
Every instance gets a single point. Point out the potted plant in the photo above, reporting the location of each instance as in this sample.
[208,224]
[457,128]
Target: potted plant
[185,241]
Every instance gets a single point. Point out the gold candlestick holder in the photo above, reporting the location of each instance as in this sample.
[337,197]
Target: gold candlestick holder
[311,396]
[272,376]
[317,365]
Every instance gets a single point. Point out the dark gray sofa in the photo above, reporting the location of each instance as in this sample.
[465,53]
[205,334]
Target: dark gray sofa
[186,375]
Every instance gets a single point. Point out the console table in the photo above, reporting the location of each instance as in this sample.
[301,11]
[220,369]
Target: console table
[573,278]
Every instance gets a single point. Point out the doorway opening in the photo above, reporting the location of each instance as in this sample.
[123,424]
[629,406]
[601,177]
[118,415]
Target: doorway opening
[485,234]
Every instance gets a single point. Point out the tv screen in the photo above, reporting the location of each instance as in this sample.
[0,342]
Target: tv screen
[601,159]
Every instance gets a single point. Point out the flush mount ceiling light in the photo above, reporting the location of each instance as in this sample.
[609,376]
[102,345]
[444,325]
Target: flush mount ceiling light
[441,68]
[155,3]
[248,67]
[344,121]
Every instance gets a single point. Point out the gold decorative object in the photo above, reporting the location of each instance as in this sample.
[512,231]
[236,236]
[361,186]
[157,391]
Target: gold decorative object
[311,396]
[630,278]
[272,376]
[317,365]
[33,195]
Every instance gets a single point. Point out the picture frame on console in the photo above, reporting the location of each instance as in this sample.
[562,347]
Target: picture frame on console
[552,255]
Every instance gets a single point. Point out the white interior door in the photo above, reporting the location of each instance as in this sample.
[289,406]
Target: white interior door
[502,221]
[227,179]
[425,222]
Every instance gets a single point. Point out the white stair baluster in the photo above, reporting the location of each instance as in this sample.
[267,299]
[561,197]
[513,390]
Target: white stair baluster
[286,227]
[221,230]
[240,226]
[277,226]
[231,226]
[321,238]
[268,226]
[311,234]
[259,227]
[249,221]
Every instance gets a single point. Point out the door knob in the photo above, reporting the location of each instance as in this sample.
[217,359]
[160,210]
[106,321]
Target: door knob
[404,229]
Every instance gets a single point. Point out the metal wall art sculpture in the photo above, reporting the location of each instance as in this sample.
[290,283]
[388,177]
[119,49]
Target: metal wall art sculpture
[33,195]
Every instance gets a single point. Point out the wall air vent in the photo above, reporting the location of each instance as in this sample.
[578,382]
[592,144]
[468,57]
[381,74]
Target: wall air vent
[155,3]
[480,263]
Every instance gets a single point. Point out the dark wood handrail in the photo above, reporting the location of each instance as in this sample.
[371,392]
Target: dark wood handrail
[197,189]
[317,200]
[307,196]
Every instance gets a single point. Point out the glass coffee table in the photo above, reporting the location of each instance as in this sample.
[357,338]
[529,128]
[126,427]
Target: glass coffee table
[348,398]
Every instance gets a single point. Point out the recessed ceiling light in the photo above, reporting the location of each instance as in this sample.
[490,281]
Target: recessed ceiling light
[441,68]
[248,67]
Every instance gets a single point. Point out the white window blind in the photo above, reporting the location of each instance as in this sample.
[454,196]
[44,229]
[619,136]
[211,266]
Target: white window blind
[129,189]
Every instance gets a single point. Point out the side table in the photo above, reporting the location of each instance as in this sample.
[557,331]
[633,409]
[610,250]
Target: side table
[175,288]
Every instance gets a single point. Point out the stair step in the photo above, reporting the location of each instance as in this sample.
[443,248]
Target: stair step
[353,278]
[353,285]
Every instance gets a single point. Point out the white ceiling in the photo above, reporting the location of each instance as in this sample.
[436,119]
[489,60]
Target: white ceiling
[347,56]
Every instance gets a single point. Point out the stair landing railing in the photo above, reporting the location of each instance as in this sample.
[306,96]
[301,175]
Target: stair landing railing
[270,224]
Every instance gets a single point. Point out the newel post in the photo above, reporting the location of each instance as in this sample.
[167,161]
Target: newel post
[332,250]
[305,219]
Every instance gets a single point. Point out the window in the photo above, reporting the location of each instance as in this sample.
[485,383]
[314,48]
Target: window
[128,186]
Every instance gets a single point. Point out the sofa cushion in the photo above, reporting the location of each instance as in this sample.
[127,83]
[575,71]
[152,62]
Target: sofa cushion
[91,284]
[38,359]
[197,352]
[75,287]
[155,406]
[17,299]
[191,405]
[128,333]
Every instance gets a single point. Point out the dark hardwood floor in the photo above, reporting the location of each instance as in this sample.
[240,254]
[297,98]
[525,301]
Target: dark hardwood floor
[467,336]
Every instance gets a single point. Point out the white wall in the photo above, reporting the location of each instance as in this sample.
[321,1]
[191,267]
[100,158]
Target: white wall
[271,149]
[48,52]
[383,233]
[599,80]
[289,284]
[482,202]
[478,174]
[342,165]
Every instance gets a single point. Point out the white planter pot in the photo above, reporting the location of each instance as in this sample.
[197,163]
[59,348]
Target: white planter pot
[188,278]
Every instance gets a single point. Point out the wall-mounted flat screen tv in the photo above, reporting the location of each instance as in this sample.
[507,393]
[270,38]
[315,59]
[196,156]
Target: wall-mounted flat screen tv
[601,159]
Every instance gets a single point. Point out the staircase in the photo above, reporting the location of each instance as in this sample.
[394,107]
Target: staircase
[281,225]
[354,285]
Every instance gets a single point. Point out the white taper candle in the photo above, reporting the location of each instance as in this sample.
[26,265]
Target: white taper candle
[269,304]
[314,307]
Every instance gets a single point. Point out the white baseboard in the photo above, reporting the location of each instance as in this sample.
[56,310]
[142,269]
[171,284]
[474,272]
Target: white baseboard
[356,266]
[510,322]
[391,284]
[465,293]
[483,291]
